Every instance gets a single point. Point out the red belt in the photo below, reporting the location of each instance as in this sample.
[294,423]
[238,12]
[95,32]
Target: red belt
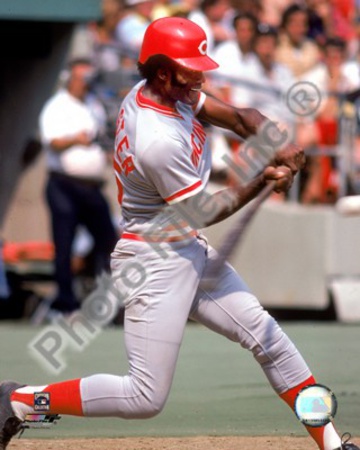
[142,238]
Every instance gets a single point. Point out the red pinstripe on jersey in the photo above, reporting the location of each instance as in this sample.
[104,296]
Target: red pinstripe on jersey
[183,192]
[144,102]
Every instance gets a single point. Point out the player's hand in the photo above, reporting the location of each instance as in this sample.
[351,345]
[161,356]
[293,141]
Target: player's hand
[292,156]
[282,175]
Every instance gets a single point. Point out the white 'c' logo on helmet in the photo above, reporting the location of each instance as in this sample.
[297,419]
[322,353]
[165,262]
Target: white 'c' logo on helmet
[203,47]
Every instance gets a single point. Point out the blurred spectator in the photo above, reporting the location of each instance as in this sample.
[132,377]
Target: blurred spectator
[253,7]
[115,71]
[343,15]
[332,79]
[168,8]
[131,28]
[229,82]
[354,47]
[346,18]
[213,16]
[270,79]
[353,169]
[70,123]
[321,20]
[333,18]
[272,11]
[97,40]
[106,52]
[4,288]
[234,57]
[295,49]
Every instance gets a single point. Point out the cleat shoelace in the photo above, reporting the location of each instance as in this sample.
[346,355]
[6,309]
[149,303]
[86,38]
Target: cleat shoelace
[345,439]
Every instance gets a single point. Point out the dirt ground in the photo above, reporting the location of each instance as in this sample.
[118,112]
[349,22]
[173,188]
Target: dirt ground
[192,443]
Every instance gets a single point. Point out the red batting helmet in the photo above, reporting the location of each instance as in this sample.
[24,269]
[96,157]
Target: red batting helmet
[179,39]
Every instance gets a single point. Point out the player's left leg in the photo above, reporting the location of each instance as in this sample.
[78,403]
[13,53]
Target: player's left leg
[231,310]
[155,318]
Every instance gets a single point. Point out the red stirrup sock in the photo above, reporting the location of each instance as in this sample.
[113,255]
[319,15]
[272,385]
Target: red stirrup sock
[326,437]
[58,398]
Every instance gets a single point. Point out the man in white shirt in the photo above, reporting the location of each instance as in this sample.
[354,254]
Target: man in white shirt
[270,79]
[70,123]
[235,57]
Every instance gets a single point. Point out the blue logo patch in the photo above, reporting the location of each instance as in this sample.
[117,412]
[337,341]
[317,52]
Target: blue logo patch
[42,401]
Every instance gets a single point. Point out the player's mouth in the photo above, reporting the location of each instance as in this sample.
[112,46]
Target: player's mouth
[196,89]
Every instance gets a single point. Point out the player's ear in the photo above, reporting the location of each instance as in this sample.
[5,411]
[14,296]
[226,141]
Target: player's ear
[163,73]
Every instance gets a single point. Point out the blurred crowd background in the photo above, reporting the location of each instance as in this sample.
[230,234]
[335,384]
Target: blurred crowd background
[264,48]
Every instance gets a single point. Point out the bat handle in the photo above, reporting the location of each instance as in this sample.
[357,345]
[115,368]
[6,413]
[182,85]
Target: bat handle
[264,193]
[234,236]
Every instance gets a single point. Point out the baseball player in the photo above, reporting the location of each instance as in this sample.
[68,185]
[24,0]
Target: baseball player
[162,166]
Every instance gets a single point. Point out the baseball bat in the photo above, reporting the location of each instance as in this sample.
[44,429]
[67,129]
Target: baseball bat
[236,233]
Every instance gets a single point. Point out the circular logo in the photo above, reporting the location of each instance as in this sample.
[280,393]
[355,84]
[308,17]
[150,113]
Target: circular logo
[303,98]
[203,47]
[315,405]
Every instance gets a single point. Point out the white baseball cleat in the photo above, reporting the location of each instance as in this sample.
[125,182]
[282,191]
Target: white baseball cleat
[10,425]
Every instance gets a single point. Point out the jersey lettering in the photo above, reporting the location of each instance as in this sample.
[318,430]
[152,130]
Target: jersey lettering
[122,145]
[125,164]
[122,163]
[198,137]
[128,165]
[120,122]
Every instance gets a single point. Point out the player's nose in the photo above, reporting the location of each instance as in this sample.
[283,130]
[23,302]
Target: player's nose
[198,82]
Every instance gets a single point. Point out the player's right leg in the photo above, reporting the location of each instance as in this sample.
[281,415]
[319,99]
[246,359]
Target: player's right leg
[230,309]
[157,310]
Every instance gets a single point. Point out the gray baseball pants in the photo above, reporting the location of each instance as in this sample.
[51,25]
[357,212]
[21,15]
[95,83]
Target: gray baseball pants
[157,310]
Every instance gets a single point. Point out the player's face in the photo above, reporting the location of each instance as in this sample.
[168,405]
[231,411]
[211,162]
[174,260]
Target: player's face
[184,85]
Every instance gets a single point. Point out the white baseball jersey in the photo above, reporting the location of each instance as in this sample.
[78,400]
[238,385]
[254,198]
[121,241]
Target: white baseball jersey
[161,157]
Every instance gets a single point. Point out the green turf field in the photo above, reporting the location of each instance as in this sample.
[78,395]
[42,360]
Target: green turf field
[218,388]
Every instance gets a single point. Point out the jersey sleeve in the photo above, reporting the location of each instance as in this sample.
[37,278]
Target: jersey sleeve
[167,164]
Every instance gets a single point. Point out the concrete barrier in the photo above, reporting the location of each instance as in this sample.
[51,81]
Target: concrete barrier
[292,254]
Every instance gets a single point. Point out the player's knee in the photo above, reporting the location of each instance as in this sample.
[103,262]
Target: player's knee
[148,408]
[263,337]
[151,410]
[274,345]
